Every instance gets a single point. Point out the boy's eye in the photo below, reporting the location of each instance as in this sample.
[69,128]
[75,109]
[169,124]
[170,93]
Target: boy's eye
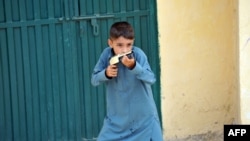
[120,45]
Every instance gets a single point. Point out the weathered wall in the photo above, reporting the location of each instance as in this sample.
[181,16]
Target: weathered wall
[244,41]
[199,65]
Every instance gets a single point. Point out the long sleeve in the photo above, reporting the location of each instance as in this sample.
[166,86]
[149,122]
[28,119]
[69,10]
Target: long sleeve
[142,69]
[98,75]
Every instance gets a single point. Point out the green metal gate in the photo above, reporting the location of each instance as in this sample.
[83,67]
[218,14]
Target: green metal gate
[48,49]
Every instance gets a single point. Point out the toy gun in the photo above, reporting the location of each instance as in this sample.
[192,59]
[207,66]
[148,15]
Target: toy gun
[115,59]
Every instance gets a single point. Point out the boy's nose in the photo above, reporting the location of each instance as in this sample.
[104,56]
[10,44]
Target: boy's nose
[125,50]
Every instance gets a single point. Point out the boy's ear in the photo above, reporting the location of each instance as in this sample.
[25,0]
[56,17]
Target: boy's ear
[110,43]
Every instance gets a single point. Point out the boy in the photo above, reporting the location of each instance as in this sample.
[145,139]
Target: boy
[131,110]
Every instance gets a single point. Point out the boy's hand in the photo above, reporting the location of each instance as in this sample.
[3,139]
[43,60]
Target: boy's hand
[129,63]
[111,71]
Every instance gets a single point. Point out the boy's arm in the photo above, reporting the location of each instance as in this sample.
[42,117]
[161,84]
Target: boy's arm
[98,77]
[142,69]
[99,72]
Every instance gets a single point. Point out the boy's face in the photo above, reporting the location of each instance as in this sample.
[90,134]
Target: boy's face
[121,45]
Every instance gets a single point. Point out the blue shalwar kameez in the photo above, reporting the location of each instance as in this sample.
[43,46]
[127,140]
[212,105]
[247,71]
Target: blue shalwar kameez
[131,110]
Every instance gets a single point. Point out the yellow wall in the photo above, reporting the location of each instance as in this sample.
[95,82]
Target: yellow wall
[244,34]
[199,65]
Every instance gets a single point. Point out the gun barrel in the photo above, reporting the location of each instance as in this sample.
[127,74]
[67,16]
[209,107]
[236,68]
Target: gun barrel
[123,54]
[115,59]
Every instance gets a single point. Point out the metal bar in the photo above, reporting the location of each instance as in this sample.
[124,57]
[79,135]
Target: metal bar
[91,17]
[82,7]
[61,45]
[76,8]
[123,6]
[75,78]
[27,83]
[46,38]
[8,11]
[54,80]
[85,63]
[2,103]
[28,23]
[22,9]
[20,85]
[13,84]
[34,85]
[69,83]
[37,12]
[2,13]
[22,79]
[7,125]
[66,9]
[59,20]
[109,6]
[41,115]
[96,6]
[51,7]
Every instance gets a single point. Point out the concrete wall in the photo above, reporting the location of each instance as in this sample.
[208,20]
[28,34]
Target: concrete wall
[199,63]
[244,42]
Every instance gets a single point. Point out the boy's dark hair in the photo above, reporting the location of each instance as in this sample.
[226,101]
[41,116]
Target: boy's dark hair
[123,29]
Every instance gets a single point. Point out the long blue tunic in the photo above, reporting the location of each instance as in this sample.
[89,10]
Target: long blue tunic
[131,110]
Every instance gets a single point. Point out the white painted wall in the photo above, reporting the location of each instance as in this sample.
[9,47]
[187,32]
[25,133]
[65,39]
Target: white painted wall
[244,41]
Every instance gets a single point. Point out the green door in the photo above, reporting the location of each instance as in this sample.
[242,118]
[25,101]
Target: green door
[48,49]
